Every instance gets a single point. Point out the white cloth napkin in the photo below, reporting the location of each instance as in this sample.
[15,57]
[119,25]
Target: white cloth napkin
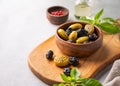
[113,78]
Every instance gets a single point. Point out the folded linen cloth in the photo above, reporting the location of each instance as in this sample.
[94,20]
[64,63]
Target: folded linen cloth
[113,78]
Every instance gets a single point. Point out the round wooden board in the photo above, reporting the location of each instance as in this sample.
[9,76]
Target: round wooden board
[48,72]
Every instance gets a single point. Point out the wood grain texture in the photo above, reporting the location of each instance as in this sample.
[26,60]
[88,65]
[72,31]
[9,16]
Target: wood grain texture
[48,72]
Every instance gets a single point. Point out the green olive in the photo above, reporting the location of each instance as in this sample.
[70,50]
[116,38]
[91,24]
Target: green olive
[61,61]
[82,39]
[90,28]
[62,34]
[73,35]
[75,26]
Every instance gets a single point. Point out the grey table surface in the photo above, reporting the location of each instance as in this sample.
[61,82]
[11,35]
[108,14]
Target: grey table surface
[23,26]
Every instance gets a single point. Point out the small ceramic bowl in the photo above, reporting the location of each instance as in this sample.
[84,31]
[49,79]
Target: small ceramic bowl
[79,50]
[56,18]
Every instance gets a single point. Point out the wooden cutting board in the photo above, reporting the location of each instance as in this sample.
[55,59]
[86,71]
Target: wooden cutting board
[48,72]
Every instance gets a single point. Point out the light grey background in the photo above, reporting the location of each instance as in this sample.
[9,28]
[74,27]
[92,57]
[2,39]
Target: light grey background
[23,25]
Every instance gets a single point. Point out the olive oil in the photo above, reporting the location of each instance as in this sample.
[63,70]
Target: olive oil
[82,8]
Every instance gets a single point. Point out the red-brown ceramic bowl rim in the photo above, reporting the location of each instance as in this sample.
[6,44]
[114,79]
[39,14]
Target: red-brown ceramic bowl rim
[87,44]
[60,7]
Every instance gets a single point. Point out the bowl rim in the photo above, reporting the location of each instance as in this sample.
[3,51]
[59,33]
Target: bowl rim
[56,6]
[75,44]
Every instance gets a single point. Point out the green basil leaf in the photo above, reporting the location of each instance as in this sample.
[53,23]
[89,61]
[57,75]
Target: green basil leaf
[73,84]
[108,19]
[90,82]
[97,22]
[109,28]
[61,84]
[82,80]
[66,78]
[75,73]
[98,15]
[55,85]
[84,19]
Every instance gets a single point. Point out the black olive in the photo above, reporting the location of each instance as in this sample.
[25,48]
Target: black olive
[74,61]
[93,37]
[67,71]
[49,54]
[68,31]
[82,32]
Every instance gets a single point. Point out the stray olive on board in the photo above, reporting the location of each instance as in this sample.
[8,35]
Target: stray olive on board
[49,54]
[61,61]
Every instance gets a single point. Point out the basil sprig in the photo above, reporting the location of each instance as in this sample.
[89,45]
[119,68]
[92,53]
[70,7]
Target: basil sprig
[106,24]
[75,80]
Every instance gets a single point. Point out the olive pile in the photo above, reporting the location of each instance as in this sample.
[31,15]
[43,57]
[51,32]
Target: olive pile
[76,33]
[62,60]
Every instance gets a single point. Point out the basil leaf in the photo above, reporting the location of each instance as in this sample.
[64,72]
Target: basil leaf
[98,15]
[61,84]
[84,19]
[75,73]
[109,28]
[81,79]
[90,82]
[55,84]
[66,78]
[108,19]
[73,84]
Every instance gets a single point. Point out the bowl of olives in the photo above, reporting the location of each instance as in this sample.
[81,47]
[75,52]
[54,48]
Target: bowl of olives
[78,39]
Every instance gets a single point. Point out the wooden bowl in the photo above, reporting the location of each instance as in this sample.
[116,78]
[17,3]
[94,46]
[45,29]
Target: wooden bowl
[57,20]
[79,50]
